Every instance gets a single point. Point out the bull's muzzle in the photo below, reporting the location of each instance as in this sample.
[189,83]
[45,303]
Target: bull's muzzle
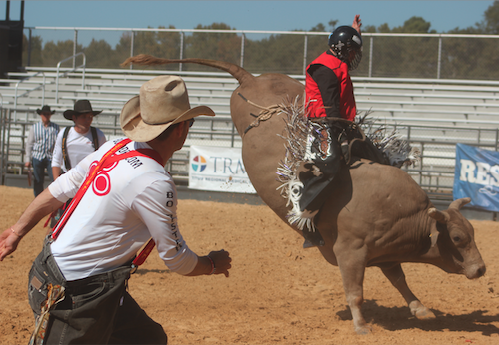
[475,271]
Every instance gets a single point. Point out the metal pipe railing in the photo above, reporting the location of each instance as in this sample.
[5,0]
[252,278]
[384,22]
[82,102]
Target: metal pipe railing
[16,96]
[67,72]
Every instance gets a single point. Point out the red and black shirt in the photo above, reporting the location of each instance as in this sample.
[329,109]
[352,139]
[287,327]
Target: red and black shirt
[329,89]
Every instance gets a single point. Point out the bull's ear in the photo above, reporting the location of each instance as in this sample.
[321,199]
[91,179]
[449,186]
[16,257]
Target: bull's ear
[439,216]
[458,203]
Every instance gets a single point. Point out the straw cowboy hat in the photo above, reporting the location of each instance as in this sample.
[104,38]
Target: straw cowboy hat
[81,106]
[45,109]
[162,102]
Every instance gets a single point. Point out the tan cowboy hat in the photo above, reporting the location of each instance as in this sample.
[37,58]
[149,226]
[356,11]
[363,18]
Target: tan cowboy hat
[162,102]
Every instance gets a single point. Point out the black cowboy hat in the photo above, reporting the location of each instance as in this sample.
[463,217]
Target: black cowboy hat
[81,106]
[45,109]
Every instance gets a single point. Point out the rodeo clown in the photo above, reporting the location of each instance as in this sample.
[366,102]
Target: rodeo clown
[330,101]
[122,198]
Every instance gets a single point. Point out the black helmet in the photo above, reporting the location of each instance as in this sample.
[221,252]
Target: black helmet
[346,43]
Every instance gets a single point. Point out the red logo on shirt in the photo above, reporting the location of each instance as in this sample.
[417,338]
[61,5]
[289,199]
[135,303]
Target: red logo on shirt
[102,182]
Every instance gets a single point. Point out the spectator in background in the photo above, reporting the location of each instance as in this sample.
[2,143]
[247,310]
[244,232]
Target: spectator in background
[39,148]
[75,143]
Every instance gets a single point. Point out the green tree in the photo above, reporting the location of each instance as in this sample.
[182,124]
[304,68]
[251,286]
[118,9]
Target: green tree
[99,54]
[215,46]
[368,28]
[53,53]
[123,47]
[490,25]
[35,51]
[414,25]
[473,58]
[318,44]
[277,53]
[332,24]
[159,43]
[409,57]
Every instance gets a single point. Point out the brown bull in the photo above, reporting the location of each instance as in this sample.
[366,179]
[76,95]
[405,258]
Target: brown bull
[378,216]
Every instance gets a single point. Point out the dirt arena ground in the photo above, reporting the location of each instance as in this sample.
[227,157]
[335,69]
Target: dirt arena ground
[277,292]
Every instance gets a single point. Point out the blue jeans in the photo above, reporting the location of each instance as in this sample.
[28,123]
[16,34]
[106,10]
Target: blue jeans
[39,167]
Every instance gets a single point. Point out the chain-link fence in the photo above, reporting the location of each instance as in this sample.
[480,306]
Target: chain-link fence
[439,56]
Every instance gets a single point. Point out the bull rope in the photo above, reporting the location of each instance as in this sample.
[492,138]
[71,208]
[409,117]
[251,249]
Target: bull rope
[265,112]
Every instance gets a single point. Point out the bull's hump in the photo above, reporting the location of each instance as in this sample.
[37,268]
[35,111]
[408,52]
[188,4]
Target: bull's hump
[274,86]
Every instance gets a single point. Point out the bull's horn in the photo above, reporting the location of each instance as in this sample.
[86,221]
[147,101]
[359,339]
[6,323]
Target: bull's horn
[457,204]
[439,216]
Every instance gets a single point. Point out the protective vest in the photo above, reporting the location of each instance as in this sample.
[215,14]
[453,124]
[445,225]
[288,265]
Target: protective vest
[316,106]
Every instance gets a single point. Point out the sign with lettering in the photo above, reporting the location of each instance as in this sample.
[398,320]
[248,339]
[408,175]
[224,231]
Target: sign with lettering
[218,169]
[477,176]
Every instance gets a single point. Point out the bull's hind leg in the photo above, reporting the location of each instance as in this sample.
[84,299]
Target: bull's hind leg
[396,276]
[352,268]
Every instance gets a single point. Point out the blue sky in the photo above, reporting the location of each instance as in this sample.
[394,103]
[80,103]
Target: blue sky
[244,15]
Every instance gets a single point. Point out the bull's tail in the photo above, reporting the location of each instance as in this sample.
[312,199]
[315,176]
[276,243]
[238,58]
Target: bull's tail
[236,71]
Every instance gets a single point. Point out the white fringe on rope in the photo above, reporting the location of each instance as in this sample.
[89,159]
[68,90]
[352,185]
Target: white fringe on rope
[297,128]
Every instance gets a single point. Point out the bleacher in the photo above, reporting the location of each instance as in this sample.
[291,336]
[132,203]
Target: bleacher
[422,102]
[432,114]
[417,102]
[109,90]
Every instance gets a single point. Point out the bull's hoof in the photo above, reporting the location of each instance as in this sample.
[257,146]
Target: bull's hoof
[425,314]
[363,330]
[420,311]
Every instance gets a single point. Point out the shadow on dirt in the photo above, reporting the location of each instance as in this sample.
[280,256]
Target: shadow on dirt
[399,318]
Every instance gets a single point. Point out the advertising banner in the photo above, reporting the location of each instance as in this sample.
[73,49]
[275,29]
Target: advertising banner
[218,169]
[477,176]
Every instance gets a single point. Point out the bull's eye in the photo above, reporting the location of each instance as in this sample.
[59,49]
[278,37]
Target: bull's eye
[456,239]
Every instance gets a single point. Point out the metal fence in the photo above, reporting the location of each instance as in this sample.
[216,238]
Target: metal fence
[437,57]
[434,172]
[440,56]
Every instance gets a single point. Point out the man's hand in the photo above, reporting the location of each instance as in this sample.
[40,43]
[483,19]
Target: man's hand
[8,242]
[217,262]
[357,23]
[222,261]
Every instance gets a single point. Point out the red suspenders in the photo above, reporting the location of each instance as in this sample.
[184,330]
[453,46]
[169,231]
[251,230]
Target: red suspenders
[108,159]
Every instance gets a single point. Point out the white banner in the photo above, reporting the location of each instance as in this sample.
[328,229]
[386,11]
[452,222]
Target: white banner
[218,169]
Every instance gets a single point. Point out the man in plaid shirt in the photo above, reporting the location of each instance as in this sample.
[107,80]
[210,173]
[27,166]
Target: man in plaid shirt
[39,148]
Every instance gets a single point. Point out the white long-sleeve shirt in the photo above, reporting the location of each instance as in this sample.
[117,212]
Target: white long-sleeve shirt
[79,146]
[127,204]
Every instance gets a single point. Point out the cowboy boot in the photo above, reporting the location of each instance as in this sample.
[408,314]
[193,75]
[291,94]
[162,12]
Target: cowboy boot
[324,154]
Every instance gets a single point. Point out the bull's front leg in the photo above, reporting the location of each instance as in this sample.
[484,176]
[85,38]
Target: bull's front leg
[351,262]
[396,276]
